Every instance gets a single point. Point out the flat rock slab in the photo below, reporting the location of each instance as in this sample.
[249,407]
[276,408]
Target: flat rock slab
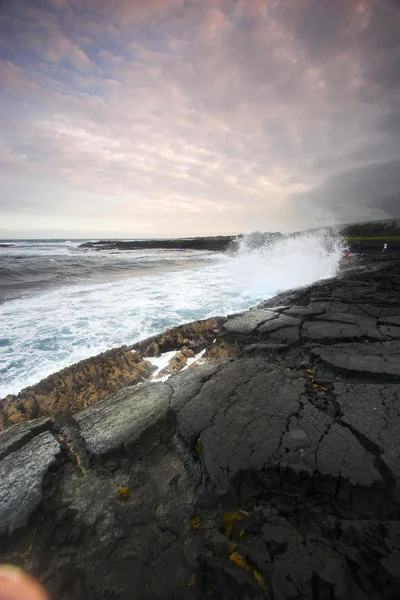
[380,359]
[393,320]
[373,411]
[390,331]
[341,454]
[331,332]
[249,321]
[281,322]
[122,418]
[263,421]
[21,477]
[304,311]
[16,436]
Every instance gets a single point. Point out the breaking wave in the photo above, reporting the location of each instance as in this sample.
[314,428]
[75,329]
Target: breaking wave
[46,331]
[282,263]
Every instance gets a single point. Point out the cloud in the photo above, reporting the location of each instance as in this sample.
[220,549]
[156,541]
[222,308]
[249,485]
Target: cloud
[371,191]
[184,113]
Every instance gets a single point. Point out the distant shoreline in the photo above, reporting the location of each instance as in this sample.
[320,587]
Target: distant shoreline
[219,243]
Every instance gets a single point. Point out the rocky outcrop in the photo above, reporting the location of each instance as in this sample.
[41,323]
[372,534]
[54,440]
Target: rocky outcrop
[178,362]
[195,336]
[76,387]
[95,378]
[216,244]
[270,473]
[21,475]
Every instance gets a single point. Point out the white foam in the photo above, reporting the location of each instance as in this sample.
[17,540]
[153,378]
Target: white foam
[162,361]
[194,359]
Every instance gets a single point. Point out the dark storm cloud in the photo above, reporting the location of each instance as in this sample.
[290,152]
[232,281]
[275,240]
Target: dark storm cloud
[193,116]
[367,192]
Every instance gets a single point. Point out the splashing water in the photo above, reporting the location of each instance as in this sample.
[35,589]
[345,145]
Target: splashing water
[287,262]
[43,333]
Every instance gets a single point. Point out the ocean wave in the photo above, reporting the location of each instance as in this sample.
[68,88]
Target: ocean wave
[7,274]
[53,264]
[46,332]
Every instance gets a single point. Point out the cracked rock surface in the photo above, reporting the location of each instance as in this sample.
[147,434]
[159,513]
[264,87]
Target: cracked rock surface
[273,473]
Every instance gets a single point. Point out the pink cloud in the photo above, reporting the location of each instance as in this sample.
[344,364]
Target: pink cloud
[180,106]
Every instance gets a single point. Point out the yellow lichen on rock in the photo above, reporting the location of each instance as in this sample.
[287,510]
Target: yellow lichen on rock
[259,577]
[124,493]
[229,518]
[193,581]
[222,351]
[76,387]
[239,560]
[195,523]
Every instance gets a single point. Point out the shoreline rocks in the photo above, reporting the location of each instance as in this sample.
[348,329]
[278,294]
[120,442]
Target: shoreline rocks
[215,244]
[92,379]
[271,471]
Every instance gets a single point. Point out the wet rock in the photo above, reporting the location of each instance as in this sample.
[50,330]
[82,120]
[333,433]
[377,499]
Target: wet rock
[196,335]
[177,362]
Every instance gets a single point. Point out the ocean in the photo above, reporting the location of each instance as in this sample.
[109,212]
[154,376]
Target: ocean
[60,303]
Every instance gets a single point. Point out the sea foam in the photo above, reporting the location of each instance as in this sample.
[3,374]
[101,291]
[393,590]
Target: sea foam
[43,333]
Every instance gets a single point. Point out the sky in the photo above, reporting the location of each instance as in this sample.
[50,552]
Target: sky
[157,118]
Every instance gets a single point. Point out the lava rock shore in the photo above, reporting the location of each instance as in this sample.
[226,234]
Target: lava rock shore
[269,471]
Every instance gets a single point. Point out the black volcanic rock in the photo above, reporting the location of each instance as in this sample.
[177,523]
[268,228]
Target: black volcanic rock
[219,243]
[273,474]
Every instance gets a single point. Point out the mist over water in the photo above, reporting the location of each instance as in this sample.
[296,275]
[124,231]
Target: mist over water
[48,330]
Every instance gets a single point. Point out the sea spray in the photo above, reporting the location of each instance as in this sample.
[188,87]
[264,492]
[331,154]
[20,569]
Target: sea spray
[284,262]
[45,332]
